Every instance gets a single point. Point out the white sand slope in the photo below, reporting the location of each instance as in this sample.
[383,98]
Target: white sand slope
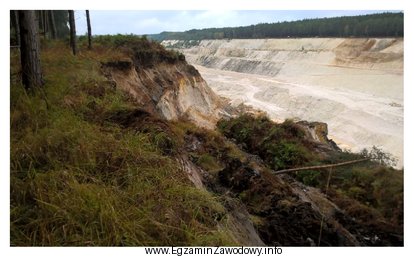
[354,85]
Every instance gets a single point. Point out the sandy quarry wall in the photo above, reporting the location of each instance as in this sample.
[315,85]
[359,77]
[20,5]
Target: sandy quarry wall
[173,91]
[354,85]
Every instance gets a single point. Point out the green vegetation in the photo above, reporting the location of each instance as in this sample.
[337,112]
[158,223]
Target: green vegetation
[208,163]
[90,167]
[146,53]
[208,149]
[281,146]
[373,25]
[371,186]
[80,175]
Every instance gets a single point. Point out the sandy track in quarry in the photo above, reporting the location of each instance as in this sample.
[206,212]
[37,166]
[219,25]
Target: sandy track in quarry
[359,111]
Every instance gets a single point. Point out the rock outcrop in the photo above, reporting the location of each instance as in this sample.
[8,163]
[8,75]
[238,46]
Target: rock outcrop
[318,132]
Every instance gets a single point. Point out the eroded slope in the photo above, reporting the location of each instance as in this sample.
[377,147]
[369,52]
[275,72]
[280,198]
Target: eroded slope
[354,85]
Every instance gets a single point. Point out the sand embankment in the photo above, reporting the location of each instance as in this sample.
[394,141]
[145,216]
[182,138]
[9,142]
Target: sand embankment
[354,85]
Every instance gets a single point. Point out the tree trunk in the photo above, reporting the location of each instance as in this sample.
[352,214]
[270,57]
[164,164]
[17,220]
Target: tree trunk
[46,23]
[15,22]
[88,20]
[29,50]
[72,31]
[42,27]
[52,24]
[40,20]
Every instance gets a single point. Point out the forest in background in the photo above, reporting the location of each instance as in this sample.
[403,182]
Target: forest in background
[52,24]
[372,25]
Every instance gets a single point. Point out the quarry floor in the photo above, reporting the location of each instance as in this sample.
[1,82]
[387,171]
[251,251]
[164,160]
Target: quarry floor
[362,107]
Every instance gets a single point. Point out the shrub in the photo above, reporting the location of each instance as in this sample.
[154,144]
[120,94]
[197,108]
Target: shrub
[309,177]
[285,154]
[280,145]
[378,155]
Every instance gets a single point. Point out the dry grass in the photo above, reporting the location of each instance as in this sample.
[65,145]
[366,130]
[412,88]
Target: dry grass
[79,179]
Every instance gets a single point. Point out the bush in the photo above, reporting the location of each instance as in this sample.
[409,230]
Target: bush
[286,154]
[309,177]
[376,154]
[280,145]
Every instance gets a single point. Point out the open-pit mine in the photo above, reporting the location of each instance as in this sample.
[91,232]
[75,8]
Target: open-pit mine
[355,85]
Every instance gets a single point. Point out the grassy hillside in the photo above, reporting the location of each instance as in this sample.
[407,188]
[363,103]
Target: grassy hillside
[370,191]
[89,167]
[79,176]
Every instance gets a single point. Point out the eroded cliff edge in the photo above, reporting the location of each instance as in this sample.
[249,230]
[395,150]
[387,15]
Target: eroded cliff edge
[172,89]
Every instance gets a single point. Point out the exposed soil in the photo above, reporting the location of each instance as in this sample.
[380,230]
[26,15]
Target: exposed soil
[283,210]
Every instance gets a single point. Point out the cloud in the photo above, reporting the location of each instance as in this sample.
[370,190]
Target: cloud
[147,24]
[221,18]
[151,22]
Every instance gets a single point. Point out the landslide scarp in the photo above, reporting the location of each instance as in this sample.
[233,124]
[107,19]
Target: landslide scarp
[163,82]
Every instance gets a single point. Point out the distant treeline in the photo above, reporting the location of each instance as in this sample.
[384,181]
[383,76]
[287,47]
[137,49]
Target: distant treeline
[373,25]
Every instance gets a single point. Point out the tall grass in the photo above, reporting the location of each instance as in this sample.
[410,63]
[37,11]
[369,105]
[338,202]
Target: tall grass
[79,179]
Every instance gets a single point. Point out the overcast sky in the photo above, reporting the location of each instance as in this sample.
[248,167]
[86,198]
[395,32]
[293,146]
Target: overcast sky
[152,22]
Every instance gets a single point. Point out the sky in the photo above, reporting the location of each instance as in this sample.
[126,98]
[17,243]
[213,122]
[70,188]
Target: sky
[153,22]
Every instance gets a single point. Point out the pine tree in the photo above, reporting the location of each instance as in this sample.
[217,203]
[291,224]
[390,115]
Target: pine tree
[29,50]
[88,20]
[72,28]
[52,24]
